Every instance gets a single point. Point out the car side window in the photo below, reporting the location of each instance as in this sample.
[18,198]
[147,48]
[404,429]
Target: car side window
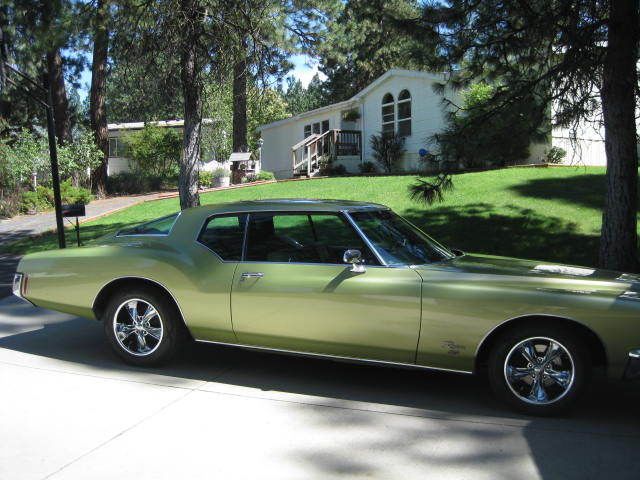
[302,238]
[224,235]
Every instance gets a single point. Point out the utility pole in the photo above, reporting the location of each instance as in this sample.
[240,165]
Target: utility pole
[53,156]
[47,102]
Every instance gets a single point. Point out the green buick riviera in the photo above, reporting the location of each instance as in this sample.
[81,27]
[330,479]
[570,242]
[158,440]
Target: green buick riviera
[345,280]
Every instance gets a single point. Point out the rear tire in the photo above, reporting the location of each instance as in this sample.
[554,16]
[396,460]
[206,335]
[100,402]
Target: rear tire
[143,327]
[539,369]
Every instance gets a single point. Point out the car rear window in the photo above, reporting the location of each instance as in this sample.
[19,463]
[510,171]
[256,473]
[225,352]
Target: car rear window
[224,235]
[160,226]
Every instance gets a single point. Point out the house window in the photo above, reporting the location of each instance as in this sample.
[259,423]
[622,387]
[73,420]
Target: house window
[113,147]
[118,147]
[404,113]
[388,116]
[318,127]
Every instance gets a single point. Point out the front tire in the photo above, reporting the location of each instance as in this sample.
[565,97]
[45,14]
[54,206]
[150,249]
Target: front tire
[143,327]
[539,370]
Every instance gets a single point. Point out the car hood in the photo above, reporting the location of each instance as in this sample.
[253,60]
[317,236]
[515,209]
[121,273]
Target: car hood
[531,269]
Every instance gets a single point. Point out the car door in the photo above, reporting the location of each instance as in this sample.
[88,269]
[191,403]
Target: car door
[292,291]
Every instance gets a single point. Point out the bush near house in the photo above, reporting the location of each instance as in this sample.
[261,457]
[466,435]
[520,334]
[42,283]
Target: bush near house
[387,151]
[42,198]
[367,167]
[205,179]
[134,183]
[264,176]
[25,174]
[155,150]
[555,155]
[482,134]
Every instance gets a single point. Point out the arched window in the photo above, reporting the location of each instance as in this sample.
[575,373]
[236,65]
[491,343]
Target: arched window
[404,113]
[388,115]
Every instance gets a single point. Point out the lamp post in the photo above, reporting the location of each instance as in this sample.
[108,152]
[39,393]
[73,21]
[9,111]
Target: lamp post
[46,101]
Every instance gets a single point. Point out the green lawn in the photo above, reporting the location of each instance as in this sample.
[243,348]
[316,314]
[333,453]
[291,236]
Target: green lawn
[541,213]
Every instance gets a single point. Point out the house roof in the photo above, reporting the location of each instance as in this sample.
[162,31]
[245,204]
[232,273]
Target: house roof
[161,123]
[394,72]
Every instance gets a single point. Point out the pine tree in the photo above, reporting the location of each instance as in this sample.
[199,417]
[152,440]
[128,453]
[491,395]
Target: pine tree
[363,42]
[566,53]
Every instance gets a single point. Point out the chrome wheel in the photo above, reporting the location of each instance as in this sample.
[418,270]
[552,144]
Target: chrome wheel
[138,328]
[539,370]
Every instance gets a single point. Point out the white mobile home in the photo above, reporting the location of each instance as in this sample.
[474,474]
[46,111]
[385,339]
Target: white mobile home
[401,101]
[118,159]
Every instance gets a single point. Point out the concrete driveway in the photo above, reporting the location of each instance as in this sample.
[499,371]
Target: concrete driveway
[70,409]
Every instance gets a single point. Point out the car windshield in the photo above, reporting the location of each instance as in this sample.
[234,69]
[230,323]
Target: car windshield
[397,241]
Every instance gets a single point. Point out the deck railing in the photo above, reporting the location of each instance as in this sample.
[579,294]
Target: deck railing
[306,154]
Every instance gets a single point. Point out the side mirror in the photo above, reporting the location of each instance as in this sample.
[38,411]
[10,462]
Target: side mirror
[354,257]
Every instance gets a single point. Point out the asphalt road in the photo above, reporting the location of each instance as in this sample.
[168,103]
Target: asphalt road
[70,410]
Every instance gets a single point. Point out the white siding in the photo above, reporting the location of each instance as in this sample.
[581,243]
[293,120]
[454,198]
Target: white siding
[278,139]
[117,165]
[588,149]
[427,115]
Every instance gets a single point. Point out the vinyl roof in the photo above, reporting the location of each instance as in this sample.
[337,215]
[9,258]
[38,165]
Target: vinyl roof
[285,204]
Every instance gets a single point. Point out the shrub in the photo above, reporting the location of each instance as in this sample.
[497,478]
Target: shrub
[137,182]
[10,204]
[220,173]
[387,151]
[42,198]
[367,167]
[205,178]
[155,150]
[25,154]
[555,155]
[488,131]
[264,175]
[78,157]
[337,170]
[71,194]
[36,201]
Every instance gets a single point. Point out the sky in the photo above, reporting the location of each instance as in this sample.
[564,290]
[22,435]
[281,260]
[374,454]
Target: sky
[304,69]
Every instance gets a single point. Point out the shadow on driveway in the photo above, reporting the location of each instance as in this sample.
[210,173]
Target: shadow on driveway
[603,430]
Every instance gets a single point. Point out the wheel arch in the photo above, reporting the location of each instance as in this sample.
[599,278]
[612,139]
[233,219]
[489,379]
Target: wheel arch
[101,300]
[594,343]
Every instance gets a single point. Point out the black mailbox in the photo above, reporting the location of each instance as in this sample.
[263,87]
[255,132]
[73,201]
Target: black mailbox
[75,210]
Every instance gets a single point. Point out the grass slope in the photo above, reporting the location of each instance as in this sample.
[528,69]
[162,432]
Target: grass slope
[552,214]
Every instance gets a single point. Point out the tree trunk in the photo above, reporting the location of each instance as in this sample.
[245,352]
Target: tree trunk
[59,97]
[240,101]
[5,105]
[56,80]
[192,93]
[97,111]
[619,238]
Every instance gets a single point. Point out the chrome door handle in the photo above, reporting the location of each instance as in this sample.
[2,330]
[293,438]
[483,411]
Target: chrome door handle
[251,275]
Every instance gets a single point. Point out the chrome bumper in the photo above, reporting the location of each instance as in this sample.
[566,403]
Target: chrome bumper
[632,370]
